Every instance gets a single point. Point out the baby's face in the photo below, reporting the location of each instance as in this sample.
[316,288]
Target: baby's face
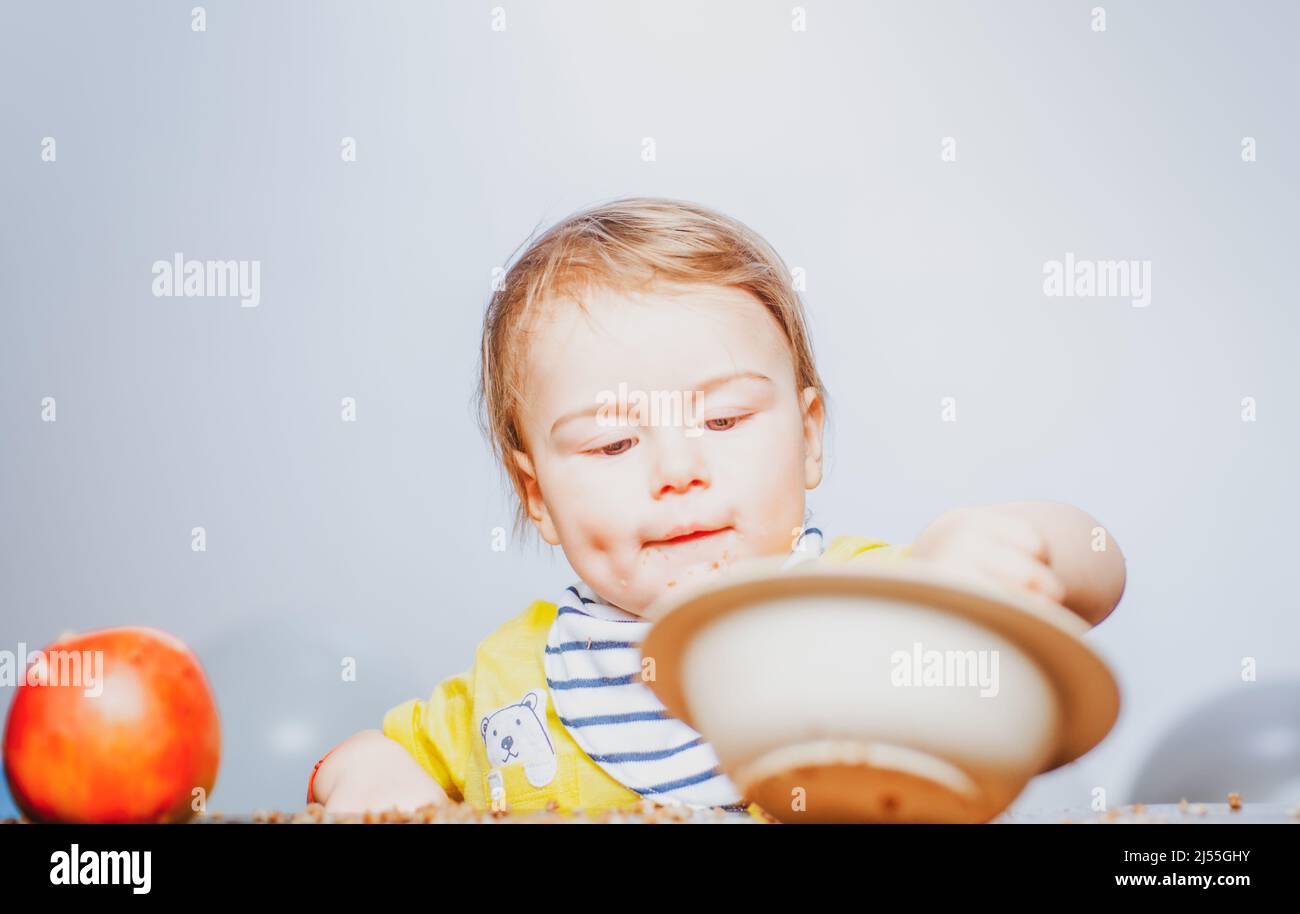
[731,464]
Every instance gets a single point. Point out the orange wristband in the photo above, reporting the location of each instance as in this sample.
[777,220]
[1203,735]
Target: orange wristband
[312,780]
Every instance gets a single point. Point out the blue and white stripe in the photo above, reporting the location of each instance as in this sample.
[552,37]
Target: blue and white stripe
[593,671]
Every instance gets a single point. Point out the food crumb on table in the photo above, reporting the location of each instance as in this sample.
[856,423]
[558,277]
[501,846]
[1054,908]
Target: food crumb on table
[647,812]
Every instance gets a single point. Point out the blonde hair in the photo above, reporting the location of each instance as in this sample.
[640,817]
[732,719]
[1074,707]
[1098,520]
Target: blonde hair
[623,245]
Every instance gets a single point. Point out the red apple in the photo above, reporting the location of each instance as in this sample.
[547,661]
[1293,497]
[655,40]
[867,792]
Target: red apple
[117,725]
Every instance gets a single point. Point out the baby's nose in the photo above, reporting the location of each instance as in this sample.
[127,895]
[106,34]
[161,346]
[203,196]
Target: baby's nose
[507,742]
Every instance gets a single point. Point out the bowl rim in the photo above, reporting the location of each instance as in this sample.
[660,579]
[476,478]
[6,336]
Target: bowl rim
[1048,633]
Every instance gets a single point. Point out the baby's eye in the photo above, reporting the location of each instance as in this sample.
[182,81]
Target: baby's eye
[613,450]
[726,428]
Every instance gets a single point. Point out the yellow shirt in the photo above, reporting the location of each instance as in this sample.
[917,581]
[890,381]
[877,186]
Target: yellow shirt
[508,683]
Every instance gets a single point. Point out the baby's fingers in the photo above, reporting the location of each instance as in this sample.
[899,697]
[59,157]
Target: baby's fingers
[1020,572]
[1019,533]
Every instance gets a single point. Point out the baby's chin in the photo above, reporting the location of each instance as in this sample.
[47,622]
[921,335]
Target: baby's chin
[670,580]
[693,571]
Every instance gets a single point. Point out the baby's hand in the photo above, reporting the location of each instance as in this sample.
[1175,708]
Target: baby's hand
[982,543]
[369,771]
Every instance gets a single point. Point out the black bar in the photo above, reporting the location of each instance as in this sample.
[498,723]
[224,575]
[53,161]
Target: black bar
[213,861]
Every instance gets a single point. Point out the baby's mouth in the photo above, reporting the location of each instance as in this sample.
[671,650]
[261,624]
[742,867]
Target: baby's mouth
[687,538]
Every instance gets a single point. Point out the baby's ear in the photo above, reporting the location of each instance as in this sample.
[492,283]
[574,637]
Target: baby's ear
[814,421]
[533,501]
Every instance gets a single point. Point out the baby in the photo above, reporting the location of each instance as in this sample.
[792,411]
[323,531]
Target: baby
[650,390]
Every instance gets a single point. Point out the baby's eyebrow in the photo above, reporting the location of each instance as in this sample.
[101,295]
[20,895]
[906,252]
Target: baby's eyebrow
[704,386]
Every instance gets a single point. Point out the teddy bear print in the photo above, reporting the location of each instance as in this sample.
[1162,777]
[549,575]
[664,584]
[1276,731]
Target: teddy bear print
[516,734]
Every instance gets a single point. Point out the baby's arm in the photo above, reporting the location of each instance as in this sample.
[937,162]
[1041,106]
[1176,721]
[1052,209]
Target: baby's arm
[369,771]
[1041,546]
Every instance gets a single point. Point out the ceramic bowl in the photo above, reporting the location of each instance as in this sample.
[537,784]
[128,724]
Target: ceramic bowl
[839,694]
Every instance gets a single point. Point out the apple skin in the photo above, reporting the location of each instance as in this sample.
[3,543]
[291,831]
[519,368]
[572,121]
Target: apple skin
[134,753]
